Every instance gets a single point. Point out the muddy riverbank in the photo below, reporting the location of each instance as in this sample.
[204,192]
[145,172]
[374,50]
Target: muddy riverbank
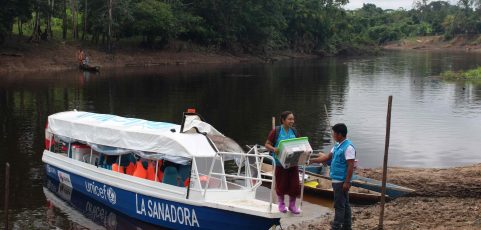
[460,43]
[57,56]
[444,199]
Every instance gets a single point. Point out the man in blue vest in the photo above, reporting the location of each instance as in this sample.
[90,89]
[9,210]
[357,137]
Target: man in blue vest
[343,156]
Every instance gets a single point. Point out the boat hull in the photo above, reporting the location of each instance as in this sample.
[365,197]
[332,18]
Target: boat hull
[354,197]
[89,68]
[87,212]
[392,190]
[157,211]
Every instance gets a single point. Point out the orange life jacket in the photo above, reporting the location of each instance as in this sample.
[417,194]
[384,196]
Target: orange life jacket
[130,169]
[140,171]
[115,168]
[151,172]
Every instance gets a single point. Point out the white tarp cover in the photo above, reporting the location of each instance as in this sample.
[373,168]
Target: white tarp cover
[130,133]
[193,124]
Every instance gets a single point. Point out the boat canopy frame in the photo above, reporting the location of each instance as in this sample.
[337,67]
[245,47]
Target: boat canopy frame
[150,140]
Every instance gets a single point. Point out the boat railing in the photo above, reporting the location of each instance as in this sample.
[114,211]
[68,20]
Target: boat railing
[252,181]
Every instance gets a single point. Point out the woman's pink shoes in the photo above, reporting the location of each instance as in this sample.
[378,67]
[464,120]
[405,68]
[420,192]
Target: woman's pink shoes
[292,205]
[282,205]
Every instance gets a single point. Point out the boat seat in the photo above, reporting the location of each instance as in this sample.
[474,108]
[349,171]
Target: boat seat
[171,176]
[184,171]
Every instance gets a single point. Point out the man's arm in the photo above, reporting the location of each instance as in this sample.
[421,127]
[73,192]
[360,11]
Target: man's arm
[322,158]
[350,170]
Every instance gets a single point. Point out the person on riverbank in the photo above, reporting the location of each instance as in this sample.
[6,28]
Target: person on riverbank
[343,157]
[82,58]
[286,180]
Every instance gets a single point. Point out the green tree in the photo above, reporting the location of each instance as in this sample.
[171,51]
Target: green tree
[154,19]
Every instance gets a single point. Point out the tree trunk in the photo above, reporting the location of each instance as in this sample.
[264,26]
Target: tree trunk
[64,26]
[50,19]
[74,8]
[85,20]
[20,29]
[36,26]
[48,27]
[110,27]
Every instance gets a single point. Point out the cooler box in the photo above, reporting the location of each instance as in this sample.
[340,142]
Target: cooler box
[294,152]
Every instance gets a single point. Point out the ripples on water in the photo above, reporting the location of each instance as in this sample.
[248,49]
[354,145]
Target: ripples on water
[434,123]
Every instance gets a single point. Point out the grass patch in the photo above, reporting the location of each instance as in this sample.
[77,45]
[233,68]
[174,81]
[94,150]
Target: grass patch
[471,75]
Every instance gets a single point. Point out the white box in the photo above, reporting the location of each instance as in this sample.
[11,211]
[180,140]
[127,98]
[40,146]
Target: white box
[294,152]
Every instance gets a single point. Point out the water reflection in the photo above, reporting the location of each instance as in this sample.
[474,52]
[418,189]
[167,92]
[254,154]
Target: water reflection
[83,212]
[435,123]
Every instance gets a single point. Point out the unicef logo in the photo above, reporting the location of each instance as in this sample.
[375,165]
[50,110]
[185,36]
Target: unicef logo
[111,195]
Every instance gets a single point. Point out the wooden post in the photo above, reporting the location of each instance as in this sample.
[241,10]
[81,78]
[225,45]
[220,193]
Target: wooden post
[7,178]
[273,191]
[384,167]
[274,123]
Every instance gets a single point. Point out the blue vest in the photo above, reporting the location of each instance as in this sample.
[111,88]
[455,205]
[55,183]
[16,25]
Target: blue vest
[282,136]
[339,163]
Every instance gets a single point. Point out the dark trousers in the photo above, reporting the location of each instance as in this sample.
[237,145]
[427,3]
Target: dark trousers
[287,181]
[342,215]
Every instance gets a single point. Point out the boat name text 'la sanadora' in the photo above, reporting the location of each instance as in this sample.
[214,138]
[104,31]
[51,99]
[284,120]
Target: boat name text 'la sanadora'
[166,212]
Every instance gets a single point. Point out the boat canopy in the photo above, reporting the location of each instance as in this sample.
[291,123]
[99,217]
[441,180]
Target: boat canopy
[148,137]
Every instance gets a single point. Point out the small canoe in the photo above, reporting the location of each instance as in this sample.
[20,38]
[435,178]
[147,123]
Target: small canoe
[89,68]
[392,190]
[323,187]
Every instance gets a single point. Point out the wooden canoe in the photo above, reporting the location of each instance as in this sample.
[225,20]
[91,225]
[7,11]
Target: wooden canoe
[89,68]
[321,186]
[392,190]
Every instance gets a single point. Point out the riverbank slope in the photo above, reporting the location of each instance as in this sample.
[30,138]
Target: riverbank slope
[444,199]
[55,56]
[468,43]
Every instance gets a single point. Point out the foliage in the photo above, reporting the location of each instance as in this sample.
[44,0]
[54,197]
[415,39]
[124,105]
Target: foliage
[154,19]
[249,26]
[474,74]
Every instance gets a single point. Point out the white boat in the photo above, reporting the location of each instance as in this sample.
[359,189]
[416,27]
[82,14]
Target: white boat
[192,190]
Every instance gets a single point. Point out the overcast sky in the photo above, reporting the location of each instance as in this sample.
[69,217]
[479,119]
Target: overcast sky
[385,4]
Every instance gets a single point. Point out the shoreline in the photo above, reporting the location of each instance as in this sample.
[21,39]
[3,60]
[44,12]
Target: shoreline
[460,43]
[60,56]
[22,57]
[445,198]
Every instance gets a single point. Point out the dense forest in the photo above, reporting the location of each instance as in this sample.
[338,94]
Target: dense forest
[249,26]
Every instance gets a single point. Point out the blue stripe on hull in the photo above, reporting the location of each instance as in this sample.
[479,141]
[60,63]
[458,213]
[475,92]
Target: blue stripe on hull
[157,211]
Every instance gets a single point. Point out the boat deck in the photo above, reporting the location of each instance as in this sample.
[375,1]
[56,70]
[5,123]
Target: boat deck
[249,204]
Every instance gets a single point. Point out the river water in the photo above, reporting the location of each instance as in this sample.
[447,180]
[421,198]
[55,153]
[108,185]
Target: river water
[434,123]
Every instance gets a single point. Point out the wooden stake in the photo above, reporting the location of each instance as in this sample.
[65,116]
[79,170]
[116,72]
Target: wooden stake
[384,167]
[7,178]
[273,191]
